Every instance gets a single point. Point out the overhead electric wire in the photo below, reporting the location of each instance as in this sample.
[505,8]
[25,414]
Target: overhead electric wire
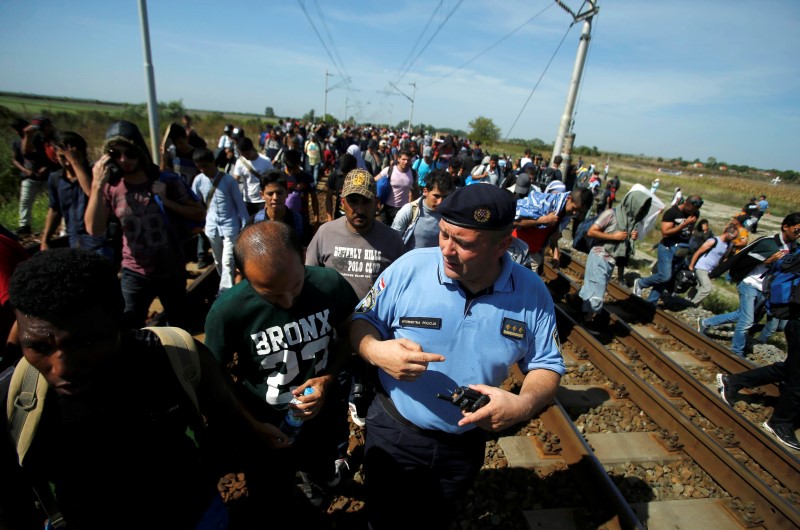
[539,81]
[303,7]
[441,25]
[454,70]
[330,37]
[421,34]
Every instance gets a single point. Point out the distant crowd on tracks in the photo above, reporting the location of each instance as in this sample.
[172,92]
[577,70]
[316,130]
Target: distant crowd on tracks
[416,285]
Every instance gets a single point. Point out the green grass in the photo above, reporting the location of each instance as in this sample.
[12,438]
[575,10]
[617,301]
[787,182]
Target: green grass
[9,213]
[31,106]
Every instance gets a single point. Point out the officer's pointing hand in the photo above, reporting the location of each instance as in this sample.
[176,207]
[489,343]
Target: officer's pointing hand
[405,360]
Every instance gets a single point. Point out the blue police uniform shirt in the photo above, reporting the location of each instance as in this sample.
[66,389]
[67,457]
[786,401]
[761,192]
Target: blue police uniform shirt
[481,338]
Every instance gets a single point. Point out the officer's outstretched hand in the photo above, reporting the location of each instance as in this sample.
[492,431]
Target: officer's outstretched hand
[503,410]
[404,359]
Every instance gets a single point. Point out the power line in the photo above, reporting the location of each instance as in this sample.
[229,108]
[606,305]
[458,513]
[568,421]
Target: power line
[446,18]
[538,81]
[421,33]
[303,7]
[330,37]
[451,72]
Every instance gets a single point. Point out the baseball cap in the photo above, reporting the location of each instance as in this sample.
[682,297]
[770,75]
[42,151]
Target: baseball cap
[523,185]
[360,182]
[479,207]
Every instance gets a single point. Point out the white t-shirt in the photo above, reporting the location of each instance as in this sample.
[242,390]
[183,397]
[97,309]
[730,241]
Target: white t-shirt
[250,183]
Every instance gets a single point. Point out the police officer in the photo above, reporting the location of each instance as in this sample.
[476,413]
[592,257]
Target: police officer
[439,319]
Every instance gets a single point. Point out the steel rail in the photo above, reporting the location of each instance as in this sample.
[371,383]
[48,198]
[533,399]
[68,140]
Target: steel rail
[702,347]
[771,510]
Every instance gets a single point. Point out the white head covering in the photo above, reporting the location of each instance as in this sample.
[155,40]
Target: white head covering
[356,152]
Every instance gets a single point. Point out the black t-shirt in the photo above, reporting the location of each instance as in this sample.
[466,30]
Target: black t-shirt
[677,216]
[122,458]
[751,209]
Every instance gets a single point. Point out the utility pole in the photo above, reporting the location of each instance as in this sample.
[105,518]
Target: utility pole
[410,98]
[344,81]
[577,72]
[152,102]
[325,106]
[413,94]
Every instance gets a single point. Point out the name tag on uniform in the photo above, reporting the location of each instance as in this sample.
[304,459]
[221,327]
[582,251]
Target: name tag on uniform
[513,328]
[421,322]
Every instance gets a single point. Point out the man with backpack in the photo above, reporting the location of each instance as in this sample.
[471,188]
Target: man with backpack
[400,179]
[153,209]
[786,271]
[418,221]
[613,234]
[748,268]
[677,225]
[706,258]
[541,216]
[103,413]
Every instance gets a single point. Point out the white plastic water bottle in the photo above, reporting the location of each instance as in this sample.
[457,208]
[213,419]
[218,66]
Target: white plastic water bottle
[290,426]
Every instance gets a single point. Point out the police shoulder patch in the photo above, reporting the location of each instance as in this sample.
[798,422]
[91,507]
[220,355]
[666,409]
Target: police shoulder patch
[368,302]
[513,328]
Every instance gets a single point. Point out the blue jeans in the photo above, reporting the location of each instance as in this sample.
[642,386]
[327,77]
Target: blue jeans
[772,325]
[138,292]
[658,281]
[595,280]
[744,317]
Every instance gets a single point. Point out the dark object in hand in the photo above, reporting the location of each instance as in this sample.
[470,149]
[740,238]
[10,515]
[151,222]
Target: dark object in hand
[466,398]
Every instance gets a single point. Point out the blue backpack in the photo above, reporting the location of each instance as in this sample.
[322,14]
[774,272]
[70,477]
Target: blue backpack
[781,287]
[580,240]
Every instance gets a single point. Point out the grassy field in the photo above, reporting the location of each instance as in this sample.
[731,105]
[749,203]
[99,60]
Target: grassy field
[31,105]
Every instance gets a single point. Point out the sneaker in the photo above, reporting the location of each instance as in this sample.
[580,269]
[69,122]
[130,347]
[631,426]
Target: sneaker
[358,420]
[784,433]
[339,465]
[726,390]
[637,290]
[701,328]
[313,492]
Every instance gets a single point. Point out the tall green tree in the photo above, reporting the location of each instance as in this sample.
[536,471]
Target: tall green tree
[483,130]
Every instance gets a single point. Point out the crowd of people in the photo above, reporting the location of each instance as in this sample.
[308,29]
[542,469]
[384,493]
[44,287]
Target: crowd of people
[418,275]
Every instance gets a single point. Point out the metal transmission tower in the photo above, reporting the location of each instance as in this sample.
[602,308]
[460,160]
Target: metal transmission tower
[344,81]
[410,98]
[580,60]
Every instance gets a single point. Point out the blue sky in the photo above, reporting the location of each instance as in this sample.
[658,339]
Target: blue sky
[694,79]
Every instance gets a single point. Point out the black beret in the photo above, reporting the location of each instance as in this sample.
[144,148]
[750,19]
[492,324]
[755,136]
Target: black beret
[480,207]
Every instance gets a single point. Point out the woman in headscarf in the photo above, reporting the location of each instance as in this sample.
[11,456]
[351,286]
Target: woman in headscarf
[614,233]
[356,152]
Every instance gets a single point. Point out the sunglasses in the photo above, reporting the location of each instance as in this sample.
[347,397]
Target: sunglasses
[696,203]
[117,153]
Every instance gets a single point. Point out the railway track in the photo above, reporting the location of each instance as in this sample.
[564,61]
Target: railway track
[637,438]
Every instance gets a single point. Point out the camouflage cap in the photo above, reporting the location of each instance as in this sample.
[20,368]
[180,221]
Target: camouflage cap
[359,181]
